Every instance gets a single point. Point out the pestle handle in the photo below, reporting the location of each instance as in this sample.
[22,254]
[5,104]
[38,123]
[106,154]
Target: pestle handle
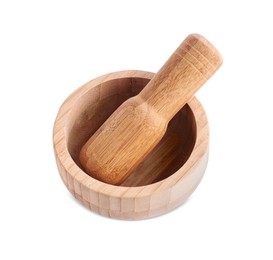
[189,67]
[135,128]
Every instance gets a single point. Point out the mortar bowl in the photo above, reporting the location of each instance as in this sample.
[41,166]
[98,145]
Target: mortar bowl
[167,176]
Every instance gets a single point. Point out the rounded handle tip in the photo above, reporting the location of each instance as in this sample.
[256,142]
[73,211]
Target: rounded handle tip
[203,55]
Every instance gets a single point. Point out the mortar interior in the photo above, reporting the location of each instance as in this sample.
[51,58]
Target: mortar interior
[96,105]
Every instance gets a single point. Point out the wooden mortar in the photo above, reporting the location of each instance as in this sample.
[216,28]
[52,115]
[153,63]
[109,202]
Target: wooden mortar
[167,176]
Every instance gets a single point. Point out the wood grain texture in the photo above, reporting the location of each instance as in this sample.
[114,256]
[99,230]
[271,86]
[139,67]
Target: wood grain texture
[116,149]
[165,178]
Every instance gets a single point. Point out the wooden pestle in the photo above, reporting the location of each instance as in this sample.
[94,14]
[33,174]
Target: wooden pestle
[135,128]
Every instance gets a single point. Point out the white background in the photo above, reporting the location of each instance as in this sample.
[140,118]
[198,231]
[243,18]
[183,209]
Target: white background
[50,48]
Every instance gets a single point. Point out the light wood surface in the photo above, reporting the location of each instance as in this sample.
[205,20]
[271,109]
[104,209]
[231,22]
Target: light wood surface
[115,150]
[161,182]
